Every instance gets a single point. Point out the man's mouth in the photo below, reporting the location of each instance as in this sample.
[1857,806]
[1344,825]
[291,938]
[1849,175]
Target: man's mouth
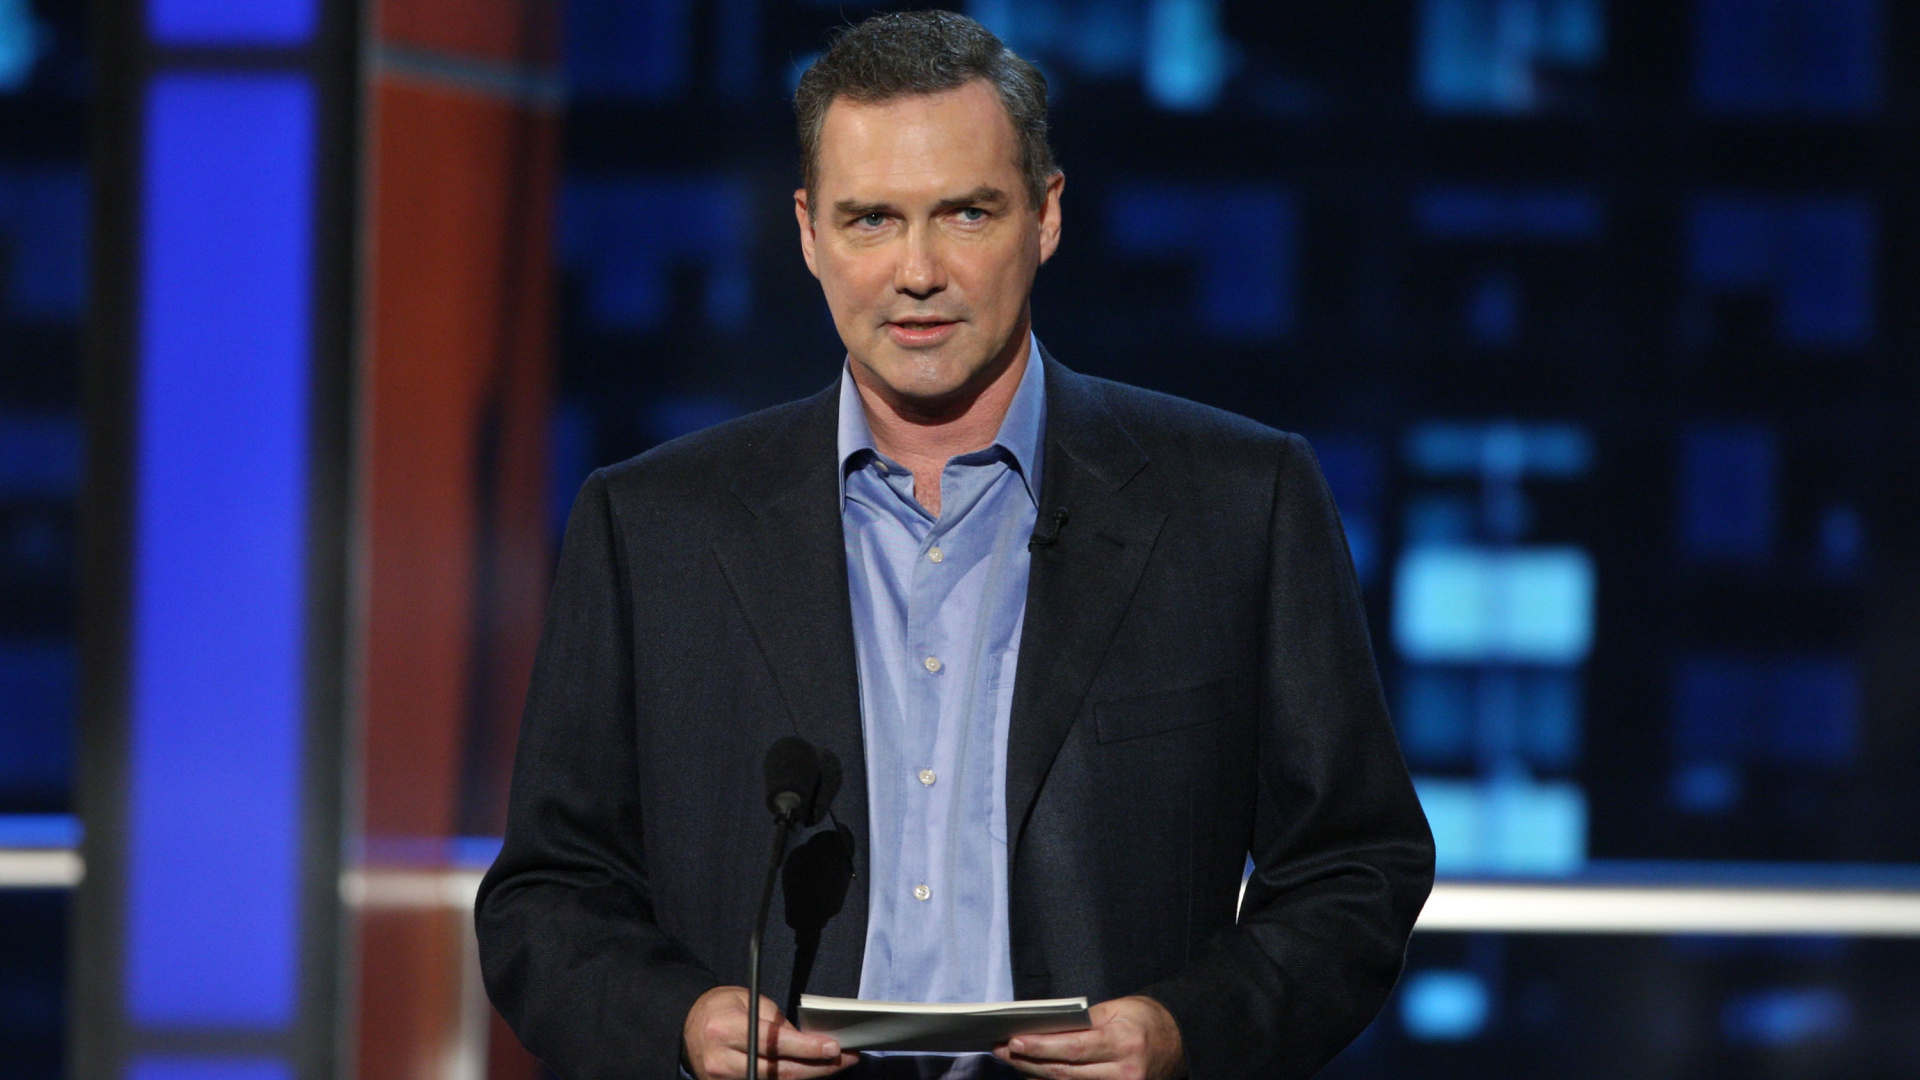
[920,332]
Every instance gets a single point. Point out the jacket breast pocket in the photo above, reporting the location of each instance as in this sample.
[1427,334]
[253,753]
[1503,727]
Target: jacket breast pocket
[1166,710]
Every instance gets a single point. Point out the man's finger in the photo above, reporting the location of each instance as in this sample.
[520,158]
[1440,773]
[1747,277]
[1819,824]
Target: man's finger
[778,1037]
[734,1064]
[1061,1070]
[787,1041]
[1087,1046]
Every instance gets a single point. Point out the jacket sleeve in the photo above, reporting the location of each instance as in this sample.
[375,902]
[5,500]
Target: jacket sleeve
[571,952]
[1343,859]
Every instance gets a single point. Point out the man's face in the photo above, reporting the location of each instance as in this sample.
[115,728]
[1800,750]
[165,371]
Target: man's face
[925,242]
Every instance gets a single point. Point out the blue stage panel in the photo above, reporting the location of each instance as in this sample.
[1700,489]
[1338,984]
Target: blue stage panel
[219,558]
[197,1068]
[232,22]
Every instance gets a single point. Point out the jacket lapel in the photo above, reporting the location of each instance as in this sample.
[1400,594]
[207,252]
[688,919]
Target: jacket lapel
[1079,585]
[788,571]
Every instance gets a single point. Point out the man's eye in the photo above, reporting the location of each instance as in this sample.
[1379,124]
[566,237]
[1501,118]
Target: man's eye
[872,221]
[972,213]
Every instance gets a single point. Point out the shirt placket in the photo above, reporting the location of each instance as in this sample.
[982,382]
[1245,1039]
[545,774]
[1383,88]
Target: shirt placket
[929,677]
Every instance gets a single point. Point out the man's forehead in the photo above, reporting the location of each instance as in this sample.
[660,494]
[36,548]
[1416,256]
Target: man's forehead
[966,118]
[966,128]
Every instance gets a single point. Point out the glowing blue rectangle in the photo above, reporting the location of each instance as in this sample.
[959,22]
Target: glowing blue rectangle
[39,831]
[1186,54]
[1508,825]
[39,456]
[1444,1006]
[232,22]
[1805,57]
[1519,214]
[1729,476]
[39,680]
[1506,448]
[203,1068]
[1491,55]
[1470,605]
[219,552]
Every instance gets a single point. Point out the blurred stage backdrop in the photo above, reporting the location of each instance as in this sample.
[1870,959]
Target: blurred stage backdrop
[1601,313]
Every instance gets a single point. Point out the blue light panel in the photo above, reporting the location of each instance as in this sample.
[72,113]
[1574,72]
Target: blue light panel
[1457,605]
[1728,476]
[43,220]
[197,1068]
[1242,238]
[613,235]
[1445,1006]
[1186,55]
[1487,55]
[39,455]
[232,22]
[40,831]
[1813,256]
[1507,824]
[1789,1017]
[1806,57]
[38,680]
[1503,448]
[623,48]
[1799,710]
[20,45]
[1488,214]
[219,554]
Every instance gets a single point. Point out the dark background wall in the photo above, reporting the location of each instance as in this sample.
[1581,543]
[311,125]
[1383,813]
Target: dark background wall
[44,98]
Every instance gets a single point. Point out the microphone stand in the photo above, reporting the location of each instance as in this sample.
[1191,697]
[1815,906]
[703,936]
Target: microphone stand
[786,806]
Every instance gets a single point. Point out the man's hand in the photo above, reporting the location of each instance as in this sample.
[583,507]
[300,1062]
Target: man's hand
[1132,1038]
[715,1038]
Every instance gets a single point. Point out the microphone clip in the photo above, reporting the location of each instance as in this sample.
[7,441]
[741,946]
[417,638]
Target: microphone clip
[1048,533]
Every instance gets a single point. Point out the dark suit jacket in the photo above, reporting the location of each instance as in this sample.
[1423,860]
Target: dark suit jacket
[1195,683]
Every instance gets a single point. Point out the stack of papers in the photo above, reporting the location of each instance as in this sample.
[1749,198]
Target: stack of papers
[971,1028]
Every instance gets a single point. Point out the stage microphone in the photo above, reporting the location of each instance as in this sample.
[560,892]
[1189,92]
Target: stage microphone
[793,777]
[1047,532]
[801,783]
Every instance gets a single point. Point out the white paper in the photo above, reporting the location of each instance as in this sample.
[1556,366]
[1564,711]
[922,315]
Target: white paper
[973,1027]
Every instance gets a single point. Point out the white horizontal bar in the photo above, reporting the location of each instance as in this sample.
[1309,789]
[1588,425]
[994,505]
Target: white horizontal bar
[1453,907]
[36,868]
[413,889]
[1639,909]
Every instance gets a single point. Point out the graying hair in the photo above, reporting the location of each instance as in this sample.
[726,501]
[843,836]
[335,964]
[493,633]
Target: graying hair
[924,52]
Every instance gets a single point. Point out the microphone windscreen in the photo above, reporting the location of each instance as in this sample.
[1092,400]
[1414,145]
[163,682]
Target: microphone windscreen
[792,766]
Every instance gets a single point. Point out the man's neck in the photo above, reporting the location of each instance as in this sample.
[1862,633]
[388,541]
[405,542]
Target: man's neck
[924,442]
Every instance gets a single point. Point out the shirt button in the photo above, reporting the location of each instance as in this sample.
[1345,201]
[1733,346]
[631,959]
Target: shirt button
[921,892]
[933,663]
[927,777]
[936,555]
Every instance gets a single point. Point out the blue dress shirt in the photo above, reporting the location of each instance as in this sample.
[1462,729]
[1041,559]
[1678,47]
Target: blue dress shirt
[937,610]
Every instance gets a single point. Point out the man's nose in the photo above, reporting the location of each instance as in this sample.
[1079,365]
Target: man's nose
[920,272]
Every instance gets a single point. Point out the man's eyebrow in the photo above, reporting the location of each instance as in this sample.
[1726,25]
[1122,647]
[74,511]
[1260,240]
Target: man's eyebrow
[983,195]
[851,209]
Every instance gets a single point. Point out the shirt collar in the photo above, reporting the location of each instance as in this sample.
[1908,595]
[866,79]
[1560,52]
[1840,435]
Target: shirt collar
[1022,431]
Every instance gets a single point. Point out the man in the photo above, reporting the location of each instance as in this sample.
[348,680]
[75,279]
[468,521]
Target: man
[1080,649]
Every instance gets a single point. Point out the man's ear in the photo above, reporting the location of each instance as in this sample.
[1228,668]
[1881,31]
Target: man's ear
[1050,216]
[806,229]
